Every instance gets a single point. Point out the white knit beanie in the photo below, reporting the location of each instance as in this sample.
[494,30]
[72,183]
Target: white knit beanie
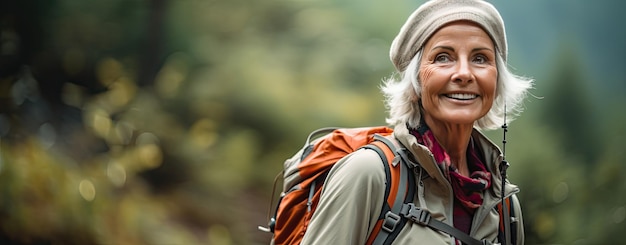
[434,14]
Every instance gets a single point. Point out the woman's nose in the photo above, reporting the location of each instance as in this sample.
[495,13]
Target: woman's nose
[462,72]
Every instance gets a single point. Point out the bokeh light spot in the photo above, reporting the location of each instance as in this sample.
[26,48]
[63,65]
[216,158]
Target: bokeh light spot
[121,92]
[203,134]
[108,70]
[87,190]
[116,174]
[150,155]
[101,123]
[47,135]
[171,76]
[147,138]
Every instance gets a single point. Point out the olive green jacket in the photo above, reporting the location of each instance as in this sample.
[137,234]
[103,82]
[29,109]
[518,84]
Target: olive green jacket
[352,198]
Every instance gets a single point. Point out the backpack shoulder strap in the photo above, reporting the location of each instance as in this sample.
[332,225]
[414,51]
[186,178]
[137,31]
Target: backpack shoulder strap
[508,215]
[399,190]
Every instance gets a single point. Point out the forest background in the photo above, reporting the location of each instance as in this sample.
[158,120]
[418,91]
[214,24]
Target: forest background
[165,122]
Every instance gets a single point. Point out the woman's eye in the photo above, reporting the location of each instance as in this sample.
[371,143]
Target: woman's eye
[480,59]
[442,58]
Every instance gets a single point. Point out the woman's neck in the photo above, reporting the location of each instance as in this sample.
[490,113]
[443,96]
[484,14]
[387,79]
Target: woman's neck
[454,138]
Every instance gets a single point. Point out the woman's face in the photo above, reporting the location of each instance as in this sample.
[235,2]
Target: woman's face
[458,74]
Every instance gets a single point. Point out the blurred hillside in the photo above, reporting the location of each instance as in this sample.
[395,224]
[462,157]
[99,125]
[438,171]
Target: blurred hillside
[165,122]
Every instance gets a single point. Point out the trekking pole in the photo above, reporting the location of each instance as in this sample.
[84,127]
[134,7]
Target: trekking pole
[504,165]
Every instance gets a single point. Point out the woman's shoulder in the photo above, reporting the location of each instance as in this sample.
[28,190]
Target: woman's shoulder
[363,164]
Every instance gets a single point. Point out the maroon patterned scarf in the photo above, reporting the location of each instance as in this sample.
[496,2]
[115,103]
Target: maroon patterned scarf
[467,190]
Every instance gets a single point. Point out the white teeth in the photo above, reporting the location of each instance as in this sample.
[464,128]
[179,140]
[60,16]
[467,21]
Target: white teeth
[462,96]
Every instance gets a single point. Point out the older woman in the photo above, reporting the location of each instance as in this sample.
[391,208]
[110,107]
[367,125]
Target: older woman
[450,56]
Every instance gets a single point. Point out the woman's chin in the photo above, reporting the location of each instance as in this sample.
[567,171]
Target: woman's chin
[461,117]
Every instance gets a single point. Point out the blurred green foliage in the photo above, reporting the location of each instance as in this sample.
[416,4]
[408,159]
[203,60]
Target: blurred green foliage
[165,122]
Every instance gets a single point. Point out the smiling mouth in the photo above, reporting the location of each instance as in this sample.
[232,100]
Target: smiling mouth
[461,96]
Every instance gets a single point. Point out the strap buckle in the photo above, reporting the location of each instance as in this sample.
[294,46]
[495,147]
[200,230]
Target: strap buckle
[405,157]
[390,222]
[417,215]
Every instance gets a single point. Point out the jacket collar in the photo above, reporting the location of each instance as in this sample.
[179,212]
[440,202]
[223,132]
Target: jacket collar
[491,152]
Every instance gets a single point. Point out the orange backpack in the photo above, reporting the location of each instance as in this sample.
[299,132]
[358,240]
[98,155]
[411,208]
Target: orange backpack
[305,173]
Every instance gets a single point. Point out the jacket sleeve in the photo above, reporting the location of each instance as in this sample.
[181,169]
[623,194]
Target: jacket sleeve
[350,202]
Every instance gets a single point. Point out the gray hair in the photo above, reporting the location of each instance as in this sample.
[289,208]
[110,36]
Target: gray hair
[402,93]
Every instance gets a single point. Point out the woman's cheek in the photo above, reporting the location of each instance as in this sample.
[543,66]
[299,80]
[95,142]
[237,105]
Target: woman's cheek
[426,73]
